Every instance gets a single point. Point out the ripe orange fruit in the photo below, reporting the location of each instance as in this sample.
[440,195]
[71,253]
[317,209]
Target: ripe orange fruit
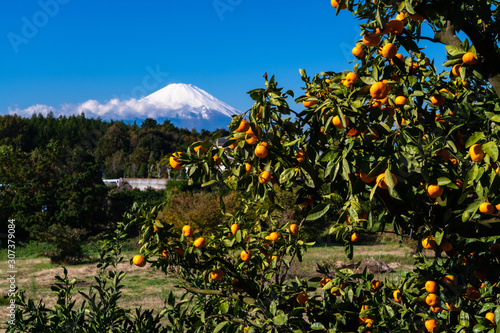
[200,243]
[261,150]
[243,127]
[324,281]
[486,208]
[431,326]
[401,100]
[394,26]
[364,177]
[248,167]
[216,275]
[437,100]
[495,247]
[338,123]
[355,237]
[251,139]
[294,229]
[358,51]
[429,243]
[308,104]
[389,51]
[476,153]
[199,148]
[446,246]
[379,90]
[417,17]
[376,285]
[273,236]
[473,293]
[233,145]
[397,295]
[431,286]
[235,282]
[431,299]
[434,191]
[245,255]
[187,231]
[139,260]
[352,77]
[302,298]
[264,177]
[217,160]
[301,155]
[175,161]
[352,132]
[381,181]
[490,316]
[449,279]
[469,59]
[444,153]
[371,39]
[455,70]
[180,252]
[234,228]
[335,4]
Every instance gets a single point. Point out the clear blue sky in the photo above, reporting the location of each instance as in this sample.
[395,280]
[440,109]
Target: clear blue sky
[70,51]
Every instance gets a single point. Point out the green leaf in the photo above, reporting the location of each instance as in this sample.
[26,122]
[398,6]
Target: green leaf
[439,236]
[220,326]
[442,181]
[454,51]
[317,212]
[287,174]
[213,181]
[317,326]
[280,319]
[491,149]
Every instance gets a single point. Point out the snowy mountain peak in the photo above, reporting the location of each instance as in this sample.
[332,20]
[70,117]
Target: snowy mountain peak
[179,100]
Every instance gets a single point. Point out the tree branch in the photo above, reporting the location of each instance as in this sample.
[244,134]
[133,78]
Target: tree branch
[448,36]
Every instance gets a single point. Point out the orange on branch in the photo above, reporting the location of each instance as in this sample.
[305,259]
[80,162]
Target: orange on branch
[431,326]
[302,298]
[243,126]
[294,229]
[371,39]
[358,51]
[139,260]
[200,243]
[264,177]
[245,255]
[216,275]
[261,150]
[187,230]
[382,183]
[175,161]
[434,191]
[469,59]
[338,123]
[234,228]
[476,153]
[389,51]
[431,286]
[379,90]
[486,208]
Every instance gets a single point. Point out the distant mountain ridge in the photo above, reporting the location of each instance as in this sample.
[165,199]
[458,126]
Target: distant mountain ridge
[184,105]
[188,106]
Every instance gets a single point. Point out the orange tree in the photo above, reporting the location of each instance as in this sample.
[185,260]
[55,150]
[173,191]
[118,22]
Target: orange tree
[406,147]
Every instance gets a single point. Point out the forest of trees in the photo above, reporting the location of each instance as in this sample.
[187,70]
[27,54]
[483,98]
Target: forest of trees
[119,149]
[51,172]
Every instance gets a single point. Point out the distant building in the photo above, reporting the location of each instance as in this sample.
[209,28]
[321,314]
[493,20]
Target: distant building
[139,183]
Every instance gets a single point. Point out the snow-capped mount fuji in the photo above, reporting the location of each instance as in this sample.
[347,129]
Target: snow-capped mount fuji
[188,106]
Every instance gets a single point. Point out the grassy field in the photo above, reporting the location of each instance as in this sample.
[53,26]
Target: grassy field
[148,288]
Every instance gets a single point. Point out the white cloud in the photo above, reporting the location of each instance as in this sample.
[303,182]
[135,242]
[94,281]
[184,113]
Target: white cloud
[112,109]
